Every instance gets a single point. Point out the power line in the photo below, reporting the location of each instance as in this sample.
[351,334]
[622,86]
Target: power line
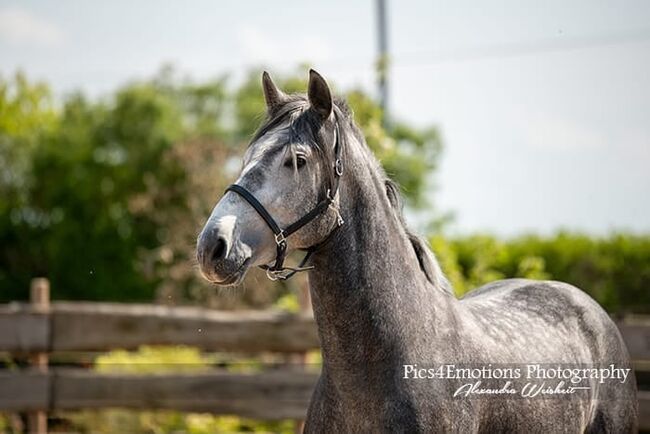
[424,58]
[520,49]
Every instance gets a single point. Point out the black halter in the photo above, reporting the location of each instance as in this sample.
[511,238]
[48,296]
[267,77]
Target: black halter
[278,271]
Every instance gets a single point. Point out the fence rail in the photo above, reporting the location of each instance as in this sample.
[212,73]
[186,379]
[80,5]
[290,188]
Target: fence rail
[279,394]
[104,326]
[282,394]
[70,326]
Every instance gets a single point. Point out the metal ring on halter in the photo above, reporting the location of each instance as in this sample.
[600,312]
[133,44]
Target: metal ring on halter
[338,167]
[272,275]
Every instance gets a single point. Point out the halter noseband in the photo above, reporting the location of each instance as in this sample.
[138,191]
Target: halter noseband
[278,271]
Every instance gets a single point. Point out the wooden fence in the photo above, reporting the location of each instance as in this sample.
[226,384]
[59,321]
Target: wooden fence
[36,330]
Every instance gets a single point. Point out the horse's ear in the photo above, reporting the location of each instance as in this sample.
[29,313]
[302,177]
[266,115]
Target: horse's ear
[319,94]
[272,95]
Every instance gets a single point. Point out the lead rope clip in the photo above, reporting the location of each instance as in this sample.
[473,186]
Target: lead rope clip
[334,207]
[275,275]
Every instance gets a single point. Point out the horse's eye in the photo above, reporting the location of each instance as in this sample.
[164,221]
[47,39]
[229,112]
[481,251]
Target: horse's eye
[301,160]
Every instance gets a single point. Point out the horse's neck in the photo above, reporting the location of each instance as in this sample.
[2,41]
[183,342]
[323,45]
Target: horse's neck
[371,301]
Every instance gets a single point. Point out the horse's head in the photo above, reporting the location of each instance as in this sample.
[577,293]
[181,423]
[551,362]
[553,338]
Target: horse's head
[290,171]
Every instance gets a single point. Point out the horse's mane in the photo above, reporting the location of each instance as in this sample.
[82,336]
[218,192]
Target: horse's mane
[428,262]
[295,109]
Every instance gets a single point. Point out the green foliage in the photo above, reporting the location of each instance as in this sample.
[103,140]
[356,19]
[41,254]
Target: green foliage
[79,223]
[288,302]
[156,360]
[163,422]
[26,115]
[106,197]
[100,184]
[614,270]
[152,359]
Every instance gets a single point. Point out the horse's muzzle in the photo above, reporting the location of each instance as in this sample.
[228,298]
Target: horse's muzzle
[222,260]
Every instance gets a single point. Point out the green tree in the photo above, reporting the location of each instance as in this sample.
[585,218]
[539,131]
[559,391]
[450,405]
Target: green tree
[27,116]
[105,197]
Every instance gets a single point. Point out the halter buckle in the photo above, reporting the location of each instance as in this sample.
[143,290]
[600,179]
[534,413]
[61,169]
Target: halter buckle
[280,239]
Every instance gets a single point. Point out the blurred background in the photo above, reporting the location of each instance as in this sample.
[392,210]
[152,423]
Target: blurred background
[519,132]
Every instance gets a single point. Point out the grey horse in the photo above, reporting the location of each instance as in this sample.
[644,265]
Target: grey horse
[382,305]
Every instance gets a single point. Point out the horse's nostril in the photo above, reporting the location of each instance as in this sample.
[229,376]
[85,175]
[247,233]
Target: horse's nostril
[219,251]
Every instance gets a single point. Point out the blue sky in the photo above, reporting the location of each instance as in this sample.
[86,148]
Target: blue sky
[544,107]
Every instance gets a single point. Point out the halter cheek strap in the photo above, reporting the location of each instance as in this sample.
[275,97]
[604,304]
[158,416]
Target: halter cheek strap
[278,271]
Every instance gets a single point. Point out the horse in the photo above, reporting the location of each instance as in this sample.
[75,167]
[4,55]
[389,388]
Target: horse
[381,303]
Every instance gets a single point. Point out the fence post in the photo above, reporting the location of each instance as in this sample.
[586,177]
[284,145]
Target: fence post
[40,302]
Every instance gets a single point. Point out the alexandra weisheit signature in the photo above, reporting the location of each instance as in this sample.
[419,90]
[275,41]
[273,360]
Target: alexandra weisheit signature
[529,390]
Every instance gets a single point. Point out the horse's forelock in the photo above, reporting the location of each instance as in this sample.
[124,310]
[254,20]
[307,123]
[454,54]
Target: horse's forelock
[303,126]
